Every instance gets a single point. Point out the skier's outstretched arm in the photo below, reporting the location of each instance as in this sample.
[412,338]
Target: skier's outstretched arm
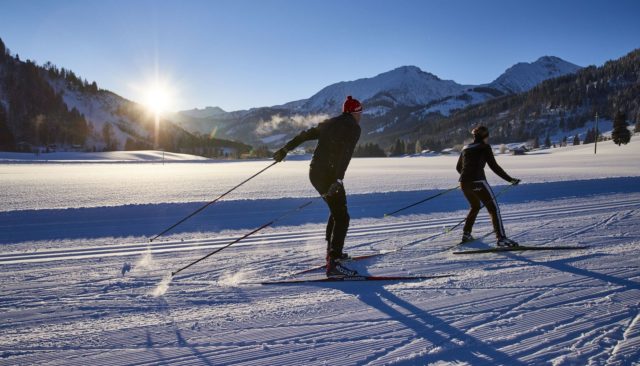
[306,135]
[493,164]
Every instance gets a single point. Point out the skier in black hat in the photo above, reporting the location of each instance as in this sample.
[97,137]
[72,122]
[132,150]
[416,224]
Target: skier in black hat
[477,191]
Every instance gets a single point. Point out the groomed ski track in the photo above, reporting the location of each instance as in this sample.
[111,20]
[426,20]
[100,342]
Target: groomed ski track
[79,304]
[429,227]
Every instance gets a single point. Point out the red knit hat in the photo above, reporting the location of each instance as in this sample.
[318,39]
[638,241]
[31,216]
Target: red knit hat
[351,105]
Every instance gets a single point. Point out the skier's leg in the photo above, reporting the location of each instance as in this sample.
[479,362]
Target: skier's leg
[321,183]
[474,203]
[489,201]
[329,231]
[338,206]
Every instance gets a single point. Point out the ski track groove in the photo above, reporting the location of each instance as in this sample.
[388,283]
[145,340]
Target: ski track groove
[545,321]
[200,244]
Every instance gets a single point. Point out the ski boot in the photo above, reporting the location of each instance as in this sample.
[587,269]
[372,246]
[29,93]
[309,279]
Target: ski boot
[506,243]
[344,257]
[337,269]
[466,238]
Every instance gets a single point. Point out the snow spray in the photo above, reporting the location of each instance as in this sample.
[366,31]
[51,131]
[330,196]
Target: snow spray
[146,261]
[229,279]
[162,287]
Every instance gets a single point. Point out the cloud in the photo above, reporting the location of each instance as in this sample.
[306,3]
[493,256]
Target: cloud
[297,121]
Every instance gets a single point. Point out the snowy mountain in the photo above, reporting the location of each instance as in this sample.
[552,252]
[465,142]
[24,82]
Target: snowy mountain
[394,101]
[100,109]
[406,85]
[523,76]
[558,107]
[207,112]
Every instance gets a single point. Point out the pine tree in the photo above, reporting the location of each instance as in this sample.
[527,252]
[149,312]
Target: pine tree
[588,137]
[576,140]
[369,150]
[547,141]
[620,134]
[398,148]
[7,141]
[3,50]
[418,147]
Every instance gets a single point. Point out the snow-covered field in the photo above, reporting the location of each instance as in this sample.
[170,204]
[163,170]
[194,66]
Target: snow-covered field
[80,277]
[109,156]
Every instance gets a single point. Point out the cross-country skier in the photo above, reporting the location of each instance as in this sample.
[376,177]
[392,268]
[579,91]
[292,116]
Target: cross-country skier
[474,184]
[337,138]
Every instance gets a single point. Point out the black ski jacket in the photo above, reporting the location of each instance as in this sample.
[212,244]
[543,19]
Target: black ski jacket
[337,138]
[472,161]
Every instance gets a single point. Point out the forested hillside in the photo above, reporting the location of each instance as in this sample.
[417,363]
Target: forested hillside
[42,106]
[561,104]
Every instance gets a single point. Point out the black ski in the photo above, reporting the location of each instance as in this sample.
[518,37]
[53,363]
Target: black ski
[352,279]
[517,249]
[353,259]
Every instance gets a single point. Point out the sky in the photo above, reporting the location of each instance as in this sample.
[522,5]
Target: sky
[250,53]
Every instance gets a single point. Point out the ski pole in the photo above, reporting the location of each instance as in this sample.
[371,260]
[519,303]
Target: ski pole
[244,237]
[422,201]
[211,202]
[448,230]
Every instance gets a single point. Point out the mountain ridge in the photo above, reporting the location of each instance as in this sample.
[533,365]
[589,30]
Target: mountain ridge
[390,98]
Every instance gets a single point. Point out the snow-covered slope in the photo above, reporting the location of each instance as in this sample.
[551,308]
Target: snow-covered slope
[80,284]
[207,112]
[99,109]
[523,76]
[408,85]
[93,157]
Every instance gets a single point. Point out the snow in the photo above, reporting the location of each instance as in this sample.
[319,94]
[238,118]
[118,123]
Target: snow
[408,84]
[83,285]
[451,104]
[207,112]
[58,186]
[98,110]
[109,156]
[523,76]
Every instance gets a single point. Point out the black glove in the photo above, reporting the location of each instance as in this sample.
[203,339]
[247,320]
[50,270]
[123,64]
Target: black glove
[280,154]
[515,181]
[334,188]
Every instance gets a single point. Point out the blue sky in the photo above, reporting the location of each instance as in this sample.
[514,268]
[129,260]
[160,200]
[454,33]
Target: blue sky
[240,54]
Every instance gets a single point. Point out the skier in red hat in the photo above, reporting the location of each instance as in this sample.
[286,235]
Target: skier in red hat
[337,138]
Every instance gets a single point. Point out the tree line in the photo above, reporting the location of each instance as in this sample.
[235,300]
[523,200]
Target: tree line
[34,115]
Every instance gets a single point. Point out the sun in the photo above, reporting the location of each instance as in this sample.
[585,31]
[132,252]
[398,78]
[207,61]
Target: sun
[157,98]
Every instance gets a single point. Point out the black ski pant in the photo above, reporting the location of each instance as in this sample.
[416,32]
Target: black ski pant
[479,193]
[338,222]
